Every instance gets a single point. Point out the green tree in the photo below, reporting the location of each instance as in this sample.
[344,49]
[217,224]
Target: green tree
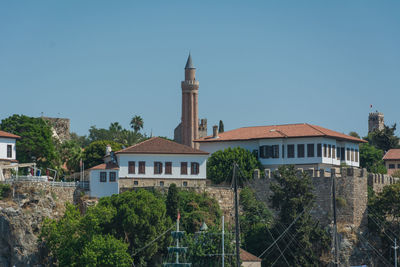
[293,198]
[384,217]
[95,152]
[36,143]
[116,133]
[105,251]
[172,202]
[220,164]
[137,123]
[70,153]
[221,127]
[371,158]
[384,139]
[81,140]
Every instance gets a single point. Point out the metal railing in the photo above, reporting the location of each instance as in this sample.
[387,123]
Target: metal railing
[39,179]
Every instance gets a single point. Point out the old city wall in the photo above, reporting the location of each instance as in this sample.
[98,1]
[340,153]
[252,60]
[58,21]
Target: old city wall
[61,127]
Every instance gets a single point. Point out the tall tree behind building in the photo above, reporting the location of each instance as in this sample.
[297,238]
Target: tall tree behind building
[221,126]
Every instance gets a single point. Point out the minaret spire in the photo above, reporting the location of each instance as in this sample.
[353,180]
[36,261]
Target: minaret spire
[189,63]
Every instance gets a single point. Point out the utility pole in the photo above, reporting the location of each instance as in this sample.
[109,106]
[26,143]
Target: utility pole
[395,252]
[223,241]
[335,239]
[237,233]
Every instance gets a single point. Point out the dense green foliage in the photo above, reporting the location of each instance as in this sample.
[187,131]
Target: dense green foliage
[384,139]
[293,198]
[70,153]
[204,249]
[5,190]
[221,127]
[384,217]
[95,152]
[36,143]
[220,164]
[354,134]
[172,202]
[116,133]
[371,158]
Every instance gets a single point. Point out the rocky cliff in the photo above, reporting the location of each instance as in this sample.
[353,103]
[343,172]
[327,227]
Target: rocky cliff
[21,215]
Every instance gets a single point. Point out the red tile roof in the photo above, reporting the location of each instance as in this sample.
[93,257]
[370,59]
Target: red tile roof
[158,145]
[9,135]
[247,256]
[279,131]
[392,154]
[105,166]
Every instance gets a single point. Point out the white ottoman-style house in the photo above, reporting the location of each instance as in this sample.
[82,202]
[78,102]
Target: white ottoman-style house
[154,162]
[304,145]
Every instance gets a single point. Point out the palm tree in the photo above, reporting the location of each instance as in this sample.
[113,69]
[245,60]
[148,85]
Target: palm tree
[137,123]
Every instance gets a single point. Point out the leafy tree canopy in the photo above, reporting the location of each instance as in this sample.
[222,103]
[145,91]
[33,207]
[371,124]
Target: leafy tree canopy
[116,133]
[355,134]
[36,143]
[384,139]
[94,153]
[220,164]
[221,128]
[137,123]
[371,158]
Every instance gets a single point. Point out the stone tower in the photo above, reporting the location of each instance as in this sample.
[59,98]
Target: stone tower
[188,129]
[375,121]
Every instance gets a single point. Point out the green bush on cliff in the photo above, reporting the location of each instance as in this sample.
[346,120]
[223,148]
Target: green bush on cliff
[5,190]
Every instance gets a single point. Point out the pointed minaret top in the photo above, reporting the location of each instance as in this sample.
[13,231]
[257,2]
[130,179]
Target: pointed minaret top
[189,64]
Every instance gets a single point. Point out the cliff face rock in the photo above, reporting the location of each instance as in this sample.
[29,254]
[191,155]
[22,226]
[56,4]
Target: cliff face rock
[21,216]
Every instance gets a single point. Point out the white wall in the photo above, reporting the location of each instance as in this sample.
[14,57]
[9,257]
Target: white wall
[176,160]
[3,148]
[212,147]
[100,189]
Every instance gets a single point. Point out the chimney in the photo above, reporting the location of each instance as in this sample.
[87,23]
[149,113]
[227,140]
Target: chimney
[108,150]
[215,131]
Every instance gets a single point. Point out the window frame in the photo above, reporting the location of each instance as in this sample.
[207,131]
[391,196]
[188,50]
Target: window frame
[319,150]
[131,167]
[158,167]
[168,168]
[290,154]
[142,167]
[194,168]
[103,177]
[184,167]
[9,151]
[310,150]
[391,166]
[112,179]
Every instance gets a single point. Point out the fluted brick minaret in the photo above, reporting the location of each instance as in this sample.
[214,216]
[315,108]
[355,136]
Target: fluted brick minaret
[190,119]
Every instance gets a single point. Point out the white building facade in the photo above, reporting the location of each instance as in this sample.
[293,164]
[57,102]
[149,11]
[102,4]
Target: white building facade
[154,162]
[8,149]
[303,145]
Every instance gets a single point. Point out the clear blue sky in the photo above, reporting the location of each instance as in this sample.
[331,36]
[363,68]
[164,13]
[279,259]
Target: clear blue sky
[258,62]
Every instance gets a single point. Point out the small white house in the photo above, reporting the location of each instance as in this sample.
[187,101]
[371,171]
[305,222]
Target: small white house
[304,145]
[154,162]
[8,151]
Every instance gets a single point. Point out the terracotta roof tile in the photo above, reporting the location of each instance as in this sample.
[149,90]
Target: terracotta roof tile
[158,145]
[392,154]
[105,166]
[9,135]
[279,131]
[247,256]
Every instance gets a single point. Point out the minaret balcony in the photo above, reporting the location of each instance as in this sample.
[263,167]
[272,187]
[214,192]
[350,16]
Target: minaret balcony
[190,82]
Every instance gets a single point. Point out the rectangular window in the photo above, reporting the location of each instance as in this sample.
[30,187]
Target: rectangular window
[9,151]
[157,167]
[283,151]
[356,156]
[142,167]
[300,150]
[275,151]
[342,154]
[329,151]
[290,151]
[262,152]
[194,168]
[333,151]
[398,166]
[183,167]
[310,150]
[325,150]
[338,153]
[352,154]
[168,167]
[103,177]
[185,184]
[348,154]
[319,150]
[391,166]
[161,183]
[113,176]
[131,167]
[135,183]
